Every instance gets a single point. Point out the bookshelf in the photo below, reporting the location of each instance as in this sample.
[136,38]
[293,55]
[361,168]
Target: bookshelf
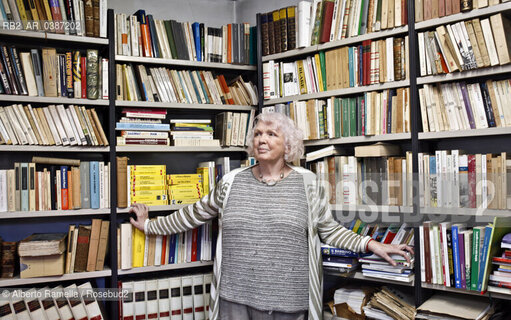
[177,149]
[183,106]
[357,275]
[11,148]
[52,100]
[185,63]
[24,34]
[54,213]
[66,277]
[488,140]
[167,267]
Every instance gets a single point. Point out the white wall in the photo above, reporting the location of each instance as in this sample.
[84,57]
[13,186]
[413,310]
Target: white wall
[246,10]
[211,12]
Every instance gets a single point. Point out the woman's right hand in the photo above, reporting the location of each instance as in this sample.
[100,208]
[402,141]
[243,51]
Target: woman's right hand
[142,213]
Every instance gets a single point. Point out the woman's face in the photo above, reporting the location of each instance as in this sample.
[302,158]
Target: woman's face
[269,142]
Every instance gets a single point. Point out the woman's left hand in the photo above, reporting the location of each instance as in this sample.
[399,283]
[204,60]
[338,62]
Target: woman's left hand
[385,250]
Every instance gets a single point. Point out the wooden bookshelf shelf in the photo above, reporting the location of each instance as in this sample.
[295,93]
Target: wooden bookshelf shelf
[464,133]
[53,213]
[335,44]
[156,208]
[53,100]
[53,36]
[490,213]
[165,267]
[185,63]
[476,73]
[28,148]
[339,92]
[373,208]
[463,16]
[359,139]
[66,277]
[183,106]
[177,149]
[359,276]
[456,290]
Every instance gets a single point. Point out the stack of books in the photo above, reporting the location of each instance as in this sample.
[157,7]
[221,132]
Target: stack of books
[460,257]
[464,106]
[143,126]
[451,179]
[51,126]
[71,302]
[185,188]
[70,74]
[193,132]
[141,35]
[465,45]
[80,18]
[376,267]
[187,296]
[74,185]
[231,128]
[147,184]
[500,279]
[339,260]
[312,23]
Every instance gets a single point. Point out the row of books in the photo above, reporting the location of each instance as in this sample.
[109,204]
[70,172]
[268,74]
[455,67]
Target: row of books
[320,21]
[138,250]
[185,297]
[77,17]
[50,74]
[141,35]
[464,106]
[52,125]
[452,179]
[71,302]
[372,113]
[372,62]
[186,188]
[458,256]
[85,186]
[231,128]
[367,180]
[465,45]
[181,86]
[431,9]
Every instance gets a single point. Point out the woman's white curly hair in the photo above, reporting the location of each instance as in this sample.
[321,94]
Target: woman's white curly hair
[293,136]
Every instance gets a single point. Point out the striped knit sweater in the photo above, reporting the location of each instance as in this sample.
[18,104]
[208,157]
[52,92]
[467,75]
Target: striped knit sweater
[321,226]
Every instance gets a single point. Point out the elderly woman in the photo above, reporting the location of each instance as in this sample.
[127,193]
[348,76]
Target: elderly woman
[272,217]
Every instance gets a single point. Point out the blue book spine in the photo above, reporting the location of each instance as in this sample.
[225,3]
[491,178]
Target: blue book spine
[176,250]
[154,39]
[188,98]
[456,257]
[24,187]
[199,242]
[2,9]
[337,252]
[484,256]
[94,185]
[172,248]
[194,85]
[360,65]
[202,86]
[142,126]
[196,38]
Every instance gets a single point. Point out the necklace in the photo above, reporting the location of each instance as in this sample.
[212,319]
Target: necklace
[271,182]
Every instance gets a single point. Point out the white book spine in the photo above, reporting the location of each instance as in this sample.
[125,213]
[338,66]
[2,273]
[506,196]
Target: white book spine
[490,43]
[73,127]
[104,78]
[176,309]
[187,300]
[128,304]
[3,190]
[58,124]
[164,299]
[151,287]
[89,302]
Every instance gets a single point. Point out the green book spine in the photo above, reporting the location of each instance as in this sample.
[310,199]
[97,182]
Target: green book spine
[321,123]
[475,259]
[353,117]
[345,117]
[170,36]
[325,121]
[323,68]
[337,117]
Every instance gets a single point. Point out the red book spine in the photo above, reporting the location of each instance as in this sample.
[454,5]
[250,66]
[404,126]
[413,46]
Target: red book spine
[427,253]
[64,188]
[83,65]
[472,180]
[146,37]
[229,43]
[146,141]
[225,88]
[328,11]
[366,61]
[163,250]
[195,235]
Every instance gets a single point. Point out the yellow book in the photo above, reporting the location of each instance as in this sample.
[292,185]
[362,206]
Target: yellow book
[205,179]
[144,188]
[197,186]
[195,125]
[184,193]
[155,178]
[301,77]
[152,203]
[184,178]
[22,12]
[160,197]
[148,169]
[318,68]
[139,183]
[182,201]
[147,193]
[138,247]
[357,225]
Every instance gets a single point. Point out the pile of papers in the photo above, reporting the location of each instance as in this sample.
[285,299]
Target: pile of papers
[454,307]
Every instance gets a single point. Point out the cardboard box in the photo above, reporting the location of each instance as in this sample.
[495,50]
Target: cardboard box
[41,266]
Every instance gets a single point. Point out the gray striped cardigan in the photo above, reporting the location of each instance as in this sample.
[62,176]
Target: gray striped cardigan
[321,225]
